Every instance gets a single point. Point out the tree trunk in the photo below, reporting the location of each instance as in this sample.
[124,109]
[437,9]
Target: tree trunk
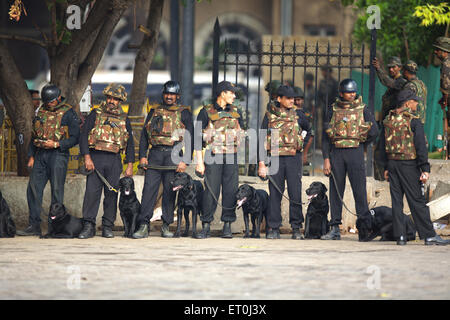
[18,104]
[144,58]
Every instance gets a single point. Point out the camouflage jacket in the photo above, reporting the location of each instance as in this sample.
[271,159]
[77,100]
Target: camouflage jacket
[165,126]
[420,89]
[109,132]
[399,136]
[283,124]
[47,125]
[394,85]
[347,128]
[223,132]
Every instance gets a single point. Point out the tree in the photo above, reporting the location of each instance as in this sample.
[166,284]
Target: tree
[74,56]
[401,33]
[144,57]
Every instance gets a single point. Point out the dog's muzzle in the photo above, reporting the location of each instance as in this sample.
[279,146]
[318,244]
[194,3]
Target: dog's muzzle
[241,202]
[177,188]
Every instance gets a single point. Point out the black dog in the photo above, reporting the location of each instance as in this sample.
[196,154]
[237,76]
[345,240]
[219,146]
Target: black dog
[61,224]
[190,195]
[378,222]
[254,202]
[7,225]
[129,206]
[316,222]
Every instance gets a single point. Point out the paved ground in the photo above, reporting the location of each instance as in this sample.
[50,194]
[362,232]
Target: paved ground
[249,269]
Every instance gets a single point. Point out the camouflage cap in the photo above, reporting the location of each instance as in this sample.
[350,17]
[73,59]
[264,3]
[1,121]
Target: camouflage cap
[442,43]
[272,86]
[394,61]
[116,90]
[299,92]
[411,66]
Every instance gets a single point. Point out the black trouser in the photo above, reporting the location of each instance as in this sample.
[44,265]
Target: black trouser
[347,161]
[221,173]
[110,166]
[49,164]
[290,170]
[404,180]
[160,156]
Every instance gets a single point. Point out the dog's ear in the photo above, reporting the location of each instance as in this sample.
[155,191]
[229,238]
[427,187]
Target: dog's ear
[324,187]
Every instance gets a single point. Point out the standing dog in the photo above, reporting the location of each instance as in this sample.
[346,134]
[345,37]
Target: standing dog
[61,224]
[316,222]
[378,222]
[129,206]
[7,225]
[190,195]
[254,202]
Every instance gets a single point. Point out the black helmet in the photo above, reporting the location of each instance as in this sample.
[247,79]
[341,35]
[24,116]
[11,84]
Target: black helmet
[171,87]
[49,93]
[348,85]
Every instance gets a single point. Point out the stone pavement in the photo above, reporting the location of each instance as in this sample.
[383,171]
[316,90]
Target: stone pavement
[226,269]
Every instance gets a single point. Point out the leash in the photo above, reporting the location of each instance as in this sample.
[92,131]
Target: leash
[202,176]
[86,172]
[339,195]
[268,177]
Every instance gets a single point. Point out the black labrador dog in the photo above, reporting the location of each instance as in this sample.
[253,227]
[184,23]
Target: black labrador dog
[190,195]
[7,225]
[61,224]
[129,206]
[316,222]
[254,202]
[378,222]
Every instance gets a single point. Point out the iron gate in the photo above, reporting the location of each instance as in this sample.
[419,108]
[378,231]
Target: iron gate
[247,66]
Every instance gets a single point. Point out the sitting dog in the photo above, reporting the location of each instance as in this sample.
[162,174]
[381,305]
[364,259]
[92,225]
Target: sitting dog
[190,195]
[7,225]
[61,224]
[254,202]
[129,206]
[316,222]
[378,222]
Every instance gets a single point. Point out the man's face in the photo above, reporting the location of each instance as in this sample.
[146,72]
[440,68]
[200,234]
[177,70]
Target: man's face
[54,103]
[286,102]
[228,96]
[308,83]
[394,71]
[348,96]
[112,100]
[441,54]
[170,98]
[36,100]
[299,102]
[408,75]
[412,104]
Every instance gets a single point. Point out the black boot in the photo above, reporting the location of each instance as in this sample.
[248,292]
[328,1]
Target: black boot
[142,232]
[436,240]
[88,231]
[205,231]
[273,233]
[401,241]
[107,232]
[34,230]
[333,234]
[165,232]
[226,232]
[296,234]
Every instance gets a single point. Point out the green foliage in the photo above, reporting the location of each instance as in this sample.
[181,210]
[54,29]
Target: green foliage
[401,31]
[431,14]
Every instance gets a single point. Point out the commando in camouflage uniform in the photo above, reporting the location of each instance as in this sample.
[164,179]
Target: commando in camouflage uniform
[419,88]
[105,134]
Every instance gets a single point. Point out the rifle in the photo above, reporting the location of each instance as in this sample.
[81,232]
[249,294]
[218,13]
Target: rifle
[443,103]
